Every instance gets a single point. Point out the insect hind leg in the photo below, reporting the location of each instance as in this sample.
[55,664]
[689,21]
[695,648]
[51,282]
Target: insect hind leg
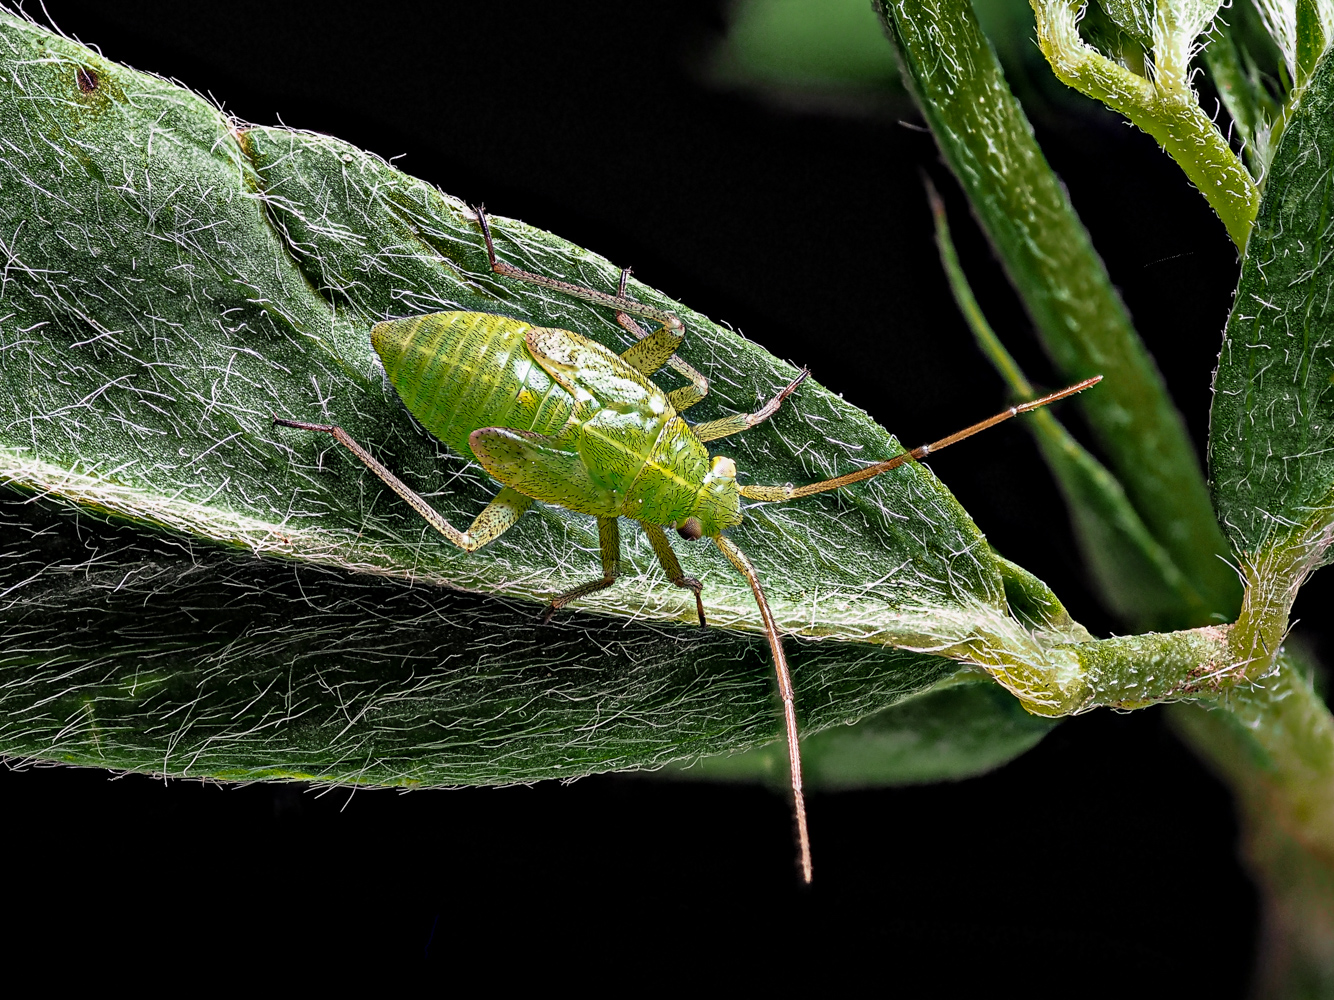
[496,519]
[618,302]
[647,359]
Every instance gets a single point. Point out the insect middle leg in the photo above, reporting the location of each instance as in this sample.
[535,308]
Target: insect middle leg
[658,348]
[609,540]
[496,519]
[713,429]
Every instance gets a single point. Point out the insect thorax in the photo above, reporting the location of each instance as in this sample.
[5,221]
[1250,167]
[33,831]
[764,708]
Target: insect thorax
[679,481]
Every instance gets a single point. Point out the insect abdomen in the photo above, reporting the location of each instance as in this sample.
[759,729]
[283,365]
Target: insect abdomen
[458,371]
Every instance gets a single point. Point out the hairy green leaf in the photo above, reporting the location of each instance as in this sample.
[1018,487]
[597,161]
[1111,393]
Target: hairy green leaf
[1271,447]
[956,730]
[1272,424]
[1311,38]
[172,279]
[1134,17]
[152,651]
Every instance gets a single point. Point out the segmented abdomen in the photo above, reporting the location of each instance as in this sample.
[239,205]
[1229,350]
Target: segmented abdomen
[458,371]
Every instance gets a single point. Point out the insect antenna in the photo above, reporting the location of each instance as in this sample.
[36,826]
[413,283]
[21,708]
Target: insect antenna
[743,566]
[778,494]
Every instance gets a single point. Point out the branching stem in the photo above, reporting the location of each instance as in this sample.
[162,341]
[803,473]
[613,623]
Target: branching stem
[1166,106]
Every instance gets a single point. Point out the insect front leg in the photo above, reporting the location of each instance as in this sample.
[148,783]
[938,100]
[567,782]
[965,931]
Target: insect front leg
[672,567]
[609,539]
[735,424]
[496,519]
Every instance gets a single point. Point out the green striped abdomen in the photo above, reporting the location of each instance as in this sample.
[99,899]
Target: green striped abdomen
[459,371]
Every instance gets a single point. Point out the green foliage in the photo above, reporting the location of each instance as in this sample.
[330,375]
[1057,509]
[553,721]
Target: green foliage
[1135,573]
[1270,433]
[173,281]
[259,261]
[956,730]
[1157,94]
[989,144]
[1272,424]
[140,650]
[1311,38]
[1134,17]
[1244,65]
[835,44]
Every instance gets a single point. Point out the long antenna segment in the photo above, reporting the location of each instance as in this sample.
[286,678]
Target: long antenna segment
[778,494]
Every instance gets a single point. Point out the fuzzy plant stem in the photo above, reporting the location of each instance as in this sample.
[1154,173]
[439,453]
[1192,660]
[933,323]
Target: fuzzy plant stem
[1166,106]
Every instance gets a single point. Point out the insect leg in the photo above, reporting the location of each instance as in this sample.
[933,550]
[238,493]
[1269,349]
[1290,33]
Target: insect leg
[609,539]
[779,494]
[618,302]
[743,566]
[671,326]
[687,396]
[657,349]
[735,424]
[499,515]
[623,319]
[663,550]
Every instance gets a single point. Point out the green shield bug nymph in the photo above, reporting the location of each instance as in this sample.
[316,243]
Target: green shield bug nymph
[556,417]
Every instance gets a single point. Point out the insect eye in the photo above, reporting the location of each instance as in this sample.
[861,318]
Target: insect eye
[690,529]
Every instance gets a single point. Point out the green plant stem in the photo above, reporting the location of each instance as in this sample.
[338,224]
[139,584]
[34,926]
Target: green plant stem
[1274,746]
[1166,108]
[1273,741]
[987,141]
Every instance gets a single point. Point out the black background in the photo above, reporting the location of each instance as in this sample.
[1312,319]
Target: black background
[1103,860]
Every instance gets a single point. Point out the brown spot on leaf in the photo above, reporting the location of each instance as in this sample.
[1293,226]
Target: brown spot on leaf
[87,79]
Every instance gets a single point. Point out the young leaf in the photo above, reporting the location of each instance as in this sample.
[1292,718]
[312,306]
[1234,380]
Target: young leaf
[1311,38]
[1231,58]
[1134,17]
[1159,99]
